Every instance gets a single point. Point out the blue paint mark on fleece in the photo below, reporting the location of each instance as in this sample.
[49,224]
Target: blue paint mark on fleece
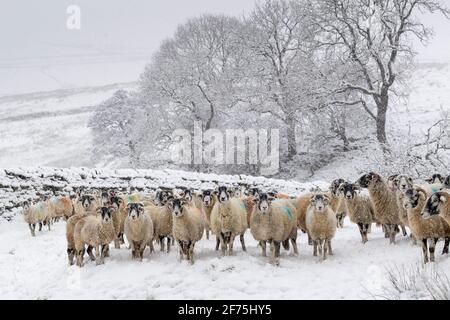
[243,205]
[435,189]
[288,211]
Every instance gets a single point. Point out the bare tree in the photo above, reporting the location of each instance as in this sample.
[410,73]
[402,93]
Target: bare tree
[373,36]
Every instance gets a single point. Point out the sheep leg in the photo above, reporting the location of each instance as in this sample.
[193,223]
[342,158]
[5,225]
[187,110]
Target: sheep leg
[241,237]
[32,229]
[49,222]
[385,230]
[431,247]
[122,240]
[315,248]
[231,245]
[169,240]
[117,243]
[320,247]
[310,241]
[70,255]
[40,226]
[91,255]
[191,252]
[325,249]
[133,250]
[207,235]
[141,250]
[294,245]
[330,249]
[98,254]
[369,228]
[361,231]
[80,255]
[446,244]
[272,252]
[223,246]
[404,231]
[425,250]
[392,233]
[217,243]
[263,248]
[161,243]
[172,241]
[180,246]
[277,245]
[107,250]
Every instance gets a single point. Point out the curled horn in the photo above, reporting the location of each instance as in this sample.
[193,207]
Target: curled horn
[423,192]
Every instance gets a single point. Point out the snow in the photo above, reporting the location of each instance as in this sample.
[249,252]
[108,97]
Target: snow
[37,268]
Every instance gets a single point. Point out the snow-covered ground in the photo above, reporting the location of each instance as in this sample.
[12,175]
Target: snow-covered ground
[37,268]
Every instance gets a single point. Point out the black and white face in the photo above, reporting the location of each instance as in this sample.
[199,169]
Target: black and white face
[87,201]
[411,198]
[348,190]
[187,195]
[223,194]
[367,179]
[334,187]
[320,202]
[435,178]
[26,204]
[135,210]
[207,197]
[432,205]
[263,202]
[164,196]
[177,206]
[106,213]
[254,192]
[117,202]
[104,198]
[403,182]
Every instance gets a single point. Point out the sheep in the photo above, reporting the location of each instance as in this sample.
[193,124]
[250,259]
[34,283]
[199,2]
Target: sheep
[89,204]
[138,229]
[228,219]
[70,229]
[301,205]
[62,207]
[96,232]
[384,202]
[38,214]
[274,222]
[428,230]
[188,227]
[438,204]
[321,224]
[401,184]
[447,182]
[359,208]
[162,223]
[208,201]
[341,210]
[434,183]
[120,213]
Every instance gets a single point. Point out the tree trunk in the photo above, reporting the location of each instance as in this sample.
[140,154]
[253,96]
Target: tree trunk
[292,143]
[382,107]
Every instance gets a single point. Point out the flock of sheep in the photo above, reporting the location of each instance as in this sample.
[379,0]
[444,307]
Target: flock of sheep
[97,218]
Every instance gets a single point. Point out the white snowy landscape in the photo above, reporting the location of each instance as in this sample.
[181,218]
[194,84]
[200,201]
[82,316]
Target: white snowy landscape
[95,110]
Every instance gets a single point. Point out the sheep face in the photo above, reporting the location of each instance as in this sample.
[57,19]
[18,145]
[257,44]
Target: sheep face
[163,196]
[135,210]
[207,197]
[87,201]
[117,202]
[348,190]
[320,202]
[223,194]
[411,198]
[366,180]
[432,205]
[187,195]
[334,187]
[26,205]
[105,213]
[403,182]
[177,206]
[435,178]
[104,198]
[254,192]
[264,201]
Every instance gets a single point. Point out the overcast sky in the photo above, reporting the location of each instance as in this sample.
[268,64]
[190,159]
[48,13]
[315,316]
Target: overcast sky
[113,31]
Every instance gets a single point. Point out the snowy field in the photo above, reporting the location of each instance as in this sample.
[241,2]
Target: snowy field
[37,268]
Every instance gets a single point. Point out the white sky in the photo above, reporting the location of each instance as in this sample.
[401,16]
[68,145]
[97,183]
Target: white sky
[34,33]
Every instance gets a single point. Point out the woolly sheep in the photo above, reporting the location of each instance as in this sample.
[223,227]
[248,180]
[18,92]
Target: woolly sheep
[138,229]
[438,204]
[38,214]
[228,220]
[119,204]
[162,223]
[274,222]
[70,229]
[341,209]
[208,201]
[359,208]
[427,231]
[384,201]
[188,227]
[401,184]
[321,224]
[96,232]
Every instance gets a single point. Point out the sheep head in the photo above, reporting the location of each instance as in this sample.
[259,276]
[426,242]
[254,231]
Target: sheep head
[434,203]
[366,180]
[263,202]
[435,178]
[348,190]
[177,206]
[135,210]
[411,197]
[334,187]
[320,201]
[402,182]
[223,194]
[106,213]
